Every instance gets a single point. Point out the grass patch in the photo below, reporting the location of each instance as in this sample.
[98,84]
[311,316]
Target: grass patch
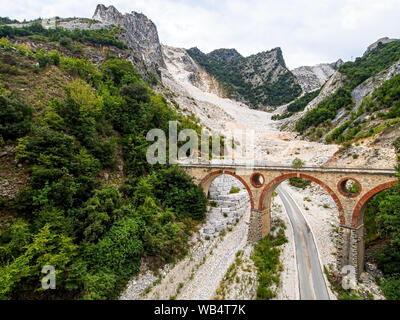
[335,280]
[266,259]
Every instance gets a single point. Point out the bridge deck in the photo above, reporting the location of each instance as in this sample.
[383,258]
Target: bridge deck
[378,171]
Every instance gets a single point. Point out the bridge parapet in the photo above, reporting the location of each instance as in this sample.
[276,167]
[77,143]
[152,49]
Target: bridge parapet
[240,166]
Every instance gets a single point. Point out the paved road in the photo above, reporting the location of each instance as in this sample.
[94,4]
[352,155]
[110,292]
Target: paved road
[311,281]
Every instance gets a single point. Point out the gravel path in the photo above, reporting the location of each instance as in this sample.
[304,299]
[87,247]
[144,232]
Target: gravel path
[208,276]
[198,275]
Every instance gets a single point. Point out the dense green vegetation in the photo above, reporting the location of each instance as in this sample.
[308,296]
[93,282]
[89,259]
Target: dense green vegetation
[281,116]
[14,117]
[266,259]
[7,20]
[387,96]
[94,230]
[383,106]
[300,103]
[375,61]
[104,36]
[297,105]
[227,65]
[326,110]
[382,225]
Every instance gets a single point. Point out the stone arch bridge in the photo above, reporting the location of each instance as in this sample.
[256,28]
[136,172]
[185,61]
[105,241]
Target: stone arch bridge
[261,181]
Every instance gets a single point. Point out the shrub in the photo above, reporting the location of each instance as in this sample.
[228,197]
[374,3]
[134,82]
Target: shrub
[81,68]
[300,103]
[15,117]
[299,183]
[14,240]
[80,110]
[47,248]
[119,71]
[234,190]
[135,92]
[176,191]
[119,250]
[46,59]
[48,147]
[163,235]
[298,163]
[98,214]
[391,287]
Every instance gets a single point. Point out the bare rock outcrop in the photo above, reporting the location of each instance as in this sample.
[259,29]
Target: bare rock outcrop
[140,33]
[312,78]
[188,70]
[371,84]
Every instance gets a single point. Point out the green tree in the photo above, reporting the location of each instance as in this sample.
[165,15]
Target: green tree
[15,117]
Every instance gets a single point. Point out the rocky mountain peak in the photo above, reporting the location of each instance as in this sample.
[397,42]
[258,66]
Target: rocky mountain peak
[226,55]
[337,64]
[274,56]
[312,78]
[105,14]
[255,80]
[377,42]
[140,33]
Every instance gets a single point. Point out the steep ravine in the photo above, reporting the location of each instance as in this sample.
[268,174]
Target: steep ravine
[193,91]
[191,278]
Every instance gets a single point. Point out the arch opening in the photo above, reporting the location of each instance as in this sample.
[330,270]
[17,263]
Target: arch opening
[209,178]
[359,210]
[364,220]
[264,201]
[312,213]
[229,204]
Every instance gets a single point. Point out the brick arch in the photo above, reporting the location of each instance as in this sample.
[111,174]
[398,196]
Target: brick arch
[217,173]
[363,201]
[281,178]
[277,180]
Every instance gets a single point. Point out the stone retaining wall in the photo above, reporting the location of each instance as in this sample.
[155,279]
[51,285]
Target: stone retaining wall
[230,207]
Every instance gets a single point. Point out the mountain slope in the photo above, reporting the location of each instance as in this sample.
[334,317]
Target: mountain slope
[73,124]
[181,63]
[342,111]
[261,80]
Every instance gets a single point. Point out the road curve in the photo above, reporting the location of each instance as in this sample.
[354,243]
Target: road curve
[312,285]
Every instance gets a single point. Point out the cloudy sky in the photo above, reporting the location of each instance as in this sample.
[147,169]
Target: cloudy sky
[308,31]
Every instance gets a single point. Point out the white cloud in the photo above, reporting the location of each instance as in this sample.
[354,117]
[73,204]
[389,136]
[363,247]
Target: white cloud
[308,31]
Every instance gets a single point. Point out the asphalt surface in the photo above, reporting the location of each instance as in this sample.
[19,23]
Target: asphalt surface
[312,285]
